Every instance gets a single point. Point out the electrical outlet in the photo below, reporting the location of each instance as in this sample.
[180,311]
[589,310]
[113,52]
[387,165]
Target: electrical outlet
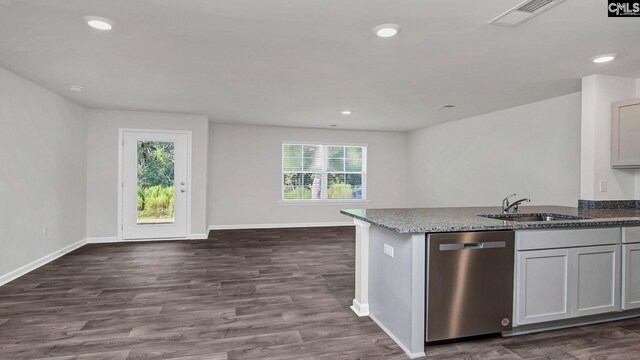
[388,250]
[603,185]
[45,230]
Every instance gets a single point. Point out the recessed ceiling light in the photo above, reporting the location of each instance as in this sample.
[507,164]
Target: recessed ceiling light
[604,58]
[99,23]
[75,88]
[386,30]
[345,112]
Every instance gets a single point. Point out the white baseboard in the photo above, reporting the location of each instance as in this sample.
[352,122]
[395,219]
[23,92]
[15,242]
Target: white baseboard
[115,239]
[563,324]
[198,236]
[360,309]
[102,240]
[278,226]
[38,263]
[406,350]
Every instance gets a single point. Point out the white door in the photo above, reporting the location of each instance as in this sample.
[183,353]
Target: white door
[597,279]
[542,287]
[154,184]
[631,276]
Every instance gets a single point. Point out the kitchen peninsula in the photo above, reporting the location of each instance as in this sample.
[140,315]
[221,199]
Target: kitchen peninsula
[561,266]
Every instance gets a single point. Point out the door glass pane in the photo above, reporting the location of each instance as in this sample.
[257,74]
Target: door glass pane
[155,182]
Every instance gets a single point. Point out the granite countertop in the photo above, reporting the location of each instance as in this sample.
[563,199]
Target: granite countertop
[433,220]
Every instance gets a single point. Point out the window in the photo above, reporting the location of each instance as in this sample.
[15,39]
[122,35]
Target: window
[323,172]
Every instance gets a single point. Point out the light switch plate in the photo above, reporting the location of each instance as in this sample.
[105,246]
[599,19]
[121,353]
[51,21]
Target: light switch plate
[388,250]
[603,185]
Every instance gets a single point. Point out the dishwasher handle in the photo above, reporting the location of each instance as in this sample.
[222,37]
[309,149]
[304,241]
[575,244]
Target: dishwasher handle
[470,246]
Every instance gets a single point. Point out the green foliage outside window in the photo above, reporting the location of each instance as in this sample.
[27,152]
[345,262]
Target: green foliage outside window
[155,202]
[155,181]
[306,168]
[155,163]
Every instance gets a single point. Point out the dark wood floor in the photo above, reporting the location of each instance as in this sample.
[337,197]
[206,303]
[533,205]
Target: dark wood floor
[251,294]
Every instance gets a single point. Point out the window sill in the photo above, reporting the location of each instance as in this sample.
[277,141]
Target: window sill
[322,202]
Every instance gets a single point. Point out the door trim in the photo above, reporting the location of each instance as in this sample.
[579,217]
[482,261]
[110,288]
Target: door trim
[120,184]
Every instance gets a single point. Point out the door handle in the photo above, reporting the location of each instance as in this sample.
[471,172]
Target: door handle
[479,245]
[474,245]
[461,246]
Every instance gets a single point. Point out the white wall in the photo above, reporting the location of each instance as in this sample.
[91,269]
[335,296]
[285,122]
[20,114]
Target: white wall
[637,182]
[245,174]
[598,92]
[532,150]
[102,164]
[42,181]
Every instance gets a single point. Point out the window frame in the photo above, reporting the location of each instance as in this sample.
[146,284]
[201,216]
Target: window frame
[324,173]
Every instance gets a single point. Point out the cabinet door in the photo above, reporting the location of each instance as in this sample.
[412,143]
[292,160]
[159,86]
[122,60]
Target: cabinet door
[596,277]
[542,289]
[625,134]
[631,276]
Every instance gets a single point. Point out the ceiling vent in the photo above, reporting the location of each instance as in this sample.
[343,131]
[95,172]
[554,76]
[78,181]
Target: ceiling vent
[524,11]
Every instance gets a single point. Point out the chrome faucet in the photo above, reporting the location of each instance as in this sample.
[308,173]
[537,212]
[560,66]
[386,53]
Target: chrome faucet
[506,206]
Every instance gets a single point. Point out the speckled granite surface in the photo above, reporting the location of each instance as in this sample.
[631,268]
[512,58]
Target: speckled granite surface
[467,219]
[609,204]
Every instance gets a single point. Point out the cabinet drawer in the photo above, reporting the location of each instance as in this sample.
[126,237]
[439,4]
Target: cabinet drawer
[631,234]
[556,239]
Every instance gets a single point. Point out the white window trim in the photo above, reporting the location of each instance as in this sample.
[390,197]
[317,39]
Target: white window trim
[323,194]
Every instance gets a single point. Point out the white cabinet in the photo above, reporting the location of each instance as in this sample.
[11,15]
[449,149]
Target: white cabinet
[558,284]
[630,276]
[625,134]
[631,267]
[597,278]
[563,238]
[631,234]
[542,286]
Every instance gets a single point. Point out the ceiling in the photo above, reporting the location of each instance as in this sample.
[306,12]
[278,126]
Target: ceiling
[300,62]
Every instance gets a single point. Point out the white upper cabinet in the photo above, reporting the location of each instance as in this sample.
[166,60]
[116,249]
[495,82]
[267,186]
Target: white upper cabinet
[625,134]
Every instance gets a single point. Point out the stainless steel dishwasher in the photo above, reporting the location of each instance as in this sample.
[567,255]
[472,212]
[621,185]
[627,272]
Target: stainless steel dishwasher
[469,284]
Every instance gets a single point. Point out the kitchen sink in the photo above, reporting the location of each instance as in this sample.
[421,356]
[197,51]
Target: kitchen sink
[541,217]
